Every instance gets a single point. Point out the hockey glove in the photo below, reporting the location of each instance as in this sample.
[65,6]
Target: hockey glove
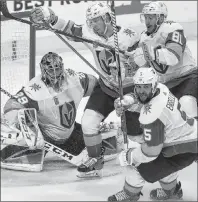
[43,14]
[124,104]
[125,157]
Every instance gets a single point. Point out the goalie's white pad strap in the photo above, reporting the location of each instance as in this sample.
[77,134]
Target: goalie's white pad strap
[12,139]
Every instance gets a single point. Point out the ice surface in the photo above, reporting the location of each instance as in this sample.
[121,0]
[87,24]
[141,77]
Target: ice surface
[58,182]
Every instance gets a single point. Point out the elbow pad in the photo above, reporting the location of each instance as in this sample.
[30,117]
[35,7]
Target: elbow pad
[62,25]
[166,57]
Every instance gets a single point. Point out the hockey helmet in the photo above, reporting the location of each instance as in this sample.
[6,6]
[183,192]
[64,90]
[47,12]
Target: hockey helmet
[146,75]
[97,9]
[52,69]
[157,7]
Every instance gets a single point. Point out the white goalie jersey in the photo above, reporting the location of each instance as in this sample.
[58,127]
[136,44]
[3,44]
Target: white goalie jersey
[56,111]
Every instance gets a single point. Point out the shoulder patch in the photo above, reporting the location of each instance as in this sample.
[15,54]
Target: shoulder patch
[151,111]
[36,89]
[127,37]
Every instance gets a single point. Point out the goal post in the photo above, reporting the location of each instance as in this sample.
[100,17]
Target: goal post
[18,55]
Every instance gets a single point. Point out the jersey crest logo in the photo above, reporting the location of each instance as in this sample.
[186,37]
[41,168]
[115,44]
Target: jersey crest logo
[105,57]
[147,108]
[67,114]
[35,87]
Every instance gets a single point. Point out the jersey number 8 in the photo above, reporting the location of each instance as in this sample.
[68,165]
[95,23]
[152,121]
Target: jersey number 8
[177,37]
[21,98]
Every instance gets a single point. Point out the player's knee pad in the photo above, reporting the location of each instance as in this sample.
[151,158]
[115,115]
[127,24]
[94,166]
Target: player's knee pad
[189,105]
[91,121]
[22,158]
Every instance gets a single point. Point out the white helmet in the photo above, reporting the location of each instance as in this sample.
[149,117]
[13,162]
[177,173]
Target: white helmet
[146,75]
[97,9]
[156,7]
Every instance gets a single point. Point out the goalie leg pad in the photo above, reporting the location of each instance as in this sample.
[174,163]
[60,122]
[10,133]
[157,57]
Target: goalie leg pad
[22,158]
[29,127]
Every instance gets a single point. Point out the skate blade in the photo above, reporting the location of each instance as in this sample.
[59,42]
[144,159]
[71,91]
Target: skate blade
[171,199]
[175,199]
[91,174]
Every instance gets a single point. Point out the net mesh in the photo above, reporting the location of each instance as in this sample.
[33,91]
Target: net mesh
[15,38]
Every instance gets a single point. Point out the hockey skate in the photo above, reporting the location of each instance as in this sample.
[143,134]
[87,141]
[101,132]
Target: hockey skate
[160,194]
[92,167]
[124,196]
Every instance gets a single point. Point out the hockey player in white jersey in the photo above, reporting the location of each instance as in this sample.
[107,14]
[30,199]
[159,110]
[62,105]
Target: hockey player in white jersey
[100,104]
[166,49]
[45,109]
[170,140]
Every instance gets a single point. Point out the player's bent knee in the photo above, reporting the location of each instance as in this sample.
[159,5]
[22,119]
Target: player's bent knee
[189,105]
[91,121]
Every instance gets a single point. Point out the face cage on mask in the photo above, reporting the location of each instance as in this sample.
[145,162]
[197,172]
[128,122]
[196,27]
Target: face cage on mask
[56,82]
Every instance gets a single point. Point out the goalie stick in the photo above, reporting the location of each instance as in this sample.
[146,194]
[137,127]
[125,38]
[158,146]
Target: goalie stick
[123,117]
[7,14]
[75,160]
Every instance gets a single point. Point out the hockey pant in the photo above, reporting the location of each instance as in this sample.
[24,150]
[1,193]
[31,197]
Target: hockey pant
[162,169]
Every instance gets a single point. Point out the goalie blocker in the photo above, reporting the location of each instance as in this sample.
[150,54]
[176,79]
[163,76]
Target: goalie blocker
[23,147]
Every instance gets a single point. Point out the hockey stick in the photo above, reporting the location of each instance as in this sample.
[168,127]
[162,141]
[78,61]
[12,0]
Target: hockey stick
[75,160]
[123,117]
[7,14]
[45,26]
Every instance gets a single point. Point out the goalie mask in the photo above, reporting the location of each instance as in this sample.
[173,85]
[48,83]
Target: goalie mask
[153,15]
[52,70]
[98,17]
[145,81]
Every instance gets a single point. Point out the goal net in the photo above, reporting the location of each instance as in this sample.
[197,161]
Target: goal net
[15,56]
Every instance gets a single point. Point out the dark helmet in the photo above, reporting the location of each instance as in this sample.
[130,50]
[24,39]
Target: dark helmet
[52,70]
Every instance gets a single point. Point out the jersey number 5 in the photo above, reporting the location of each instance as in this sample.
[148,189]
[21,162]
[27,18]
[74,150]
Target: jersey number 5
[147,134]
